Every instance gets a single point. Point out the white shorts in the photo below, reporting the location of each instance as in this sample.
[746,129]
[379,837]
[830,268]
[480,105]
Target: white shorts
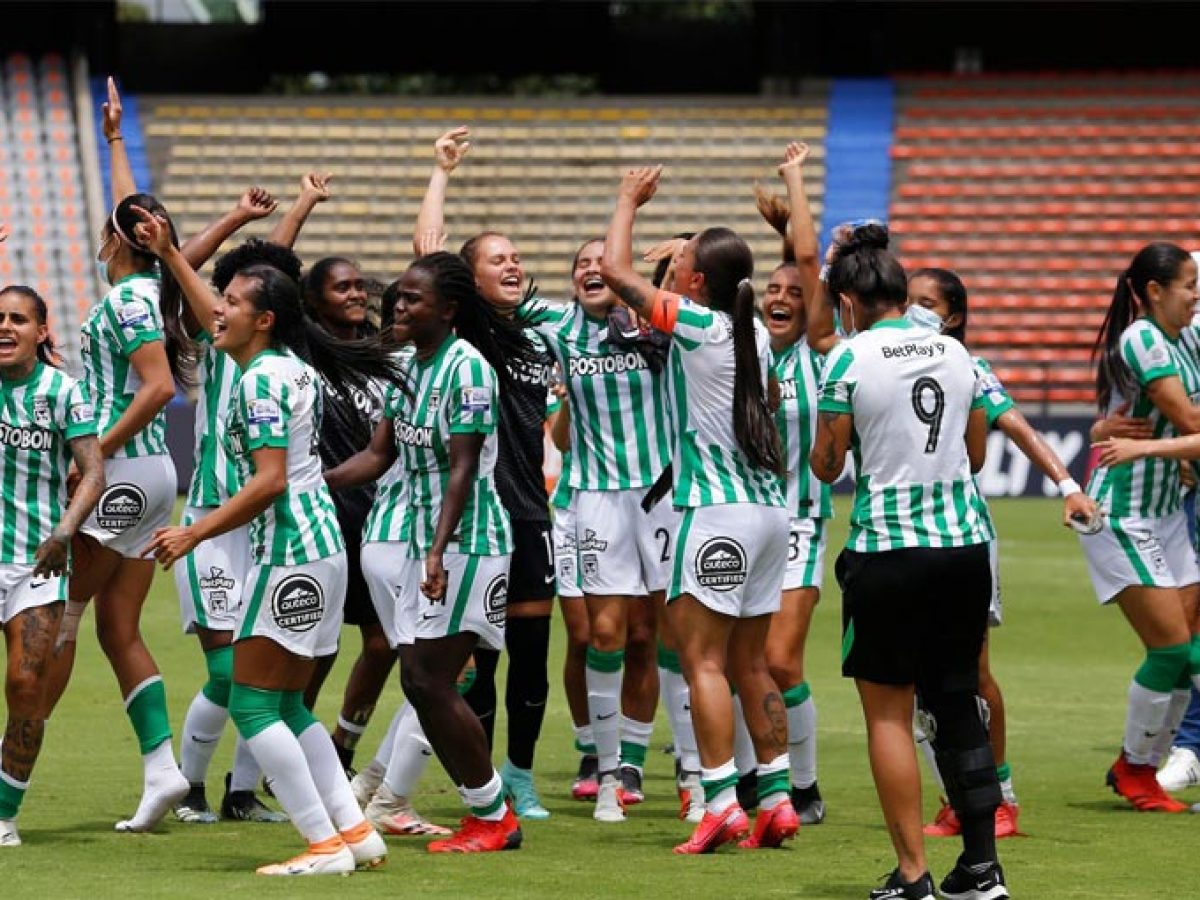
[732,558]
[138,500]
[20,591]
[1132,551]
[621,548]
[566,560]
[806,554]
[664,525]
[298,607]
[388,570]
[995,610]
[476,599]
[210,580]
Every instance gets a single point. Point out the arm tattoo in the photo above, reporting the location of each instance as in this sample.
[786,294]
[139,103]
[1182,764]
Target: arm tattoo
[632,296]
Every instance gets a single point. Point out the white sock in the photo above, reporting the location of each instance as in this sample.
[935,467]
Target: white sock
[163,785]
[384,753]
[721,783]
[802,743]
[1180,698]
[1007,792]
[921,736]
[202,729]
[743,747]
[604,708]
[411,754]
[584,737]
[329,777]
[246,771]
[282,759]
[1144,721]
[677,699]
[485,802]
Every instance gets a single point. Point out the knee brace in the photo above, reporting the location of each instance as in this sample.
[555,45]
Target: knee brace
[219,663]
[296,716]
[964,757]
[253,710]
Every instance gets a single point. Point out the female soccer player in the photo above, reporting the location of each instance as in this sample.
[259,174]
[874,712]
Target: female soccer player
[914,575]
[619,443]
[496,266]
[1149,357]
[937,298]
[731,547]
[454,584]
[46,421]
[296,584]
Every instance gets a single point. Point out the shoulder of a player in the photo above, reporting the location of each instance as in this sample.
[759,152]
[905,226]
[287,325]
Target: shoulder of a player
[1143,331]
[467,365]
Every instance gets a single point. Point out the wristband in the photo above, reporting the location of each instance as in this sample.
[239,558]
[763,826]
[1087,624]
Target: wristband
[1069,486]
[117,138]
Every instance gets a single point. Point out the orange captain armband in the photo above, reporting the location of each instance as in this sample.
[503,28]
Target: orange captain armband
[664,310]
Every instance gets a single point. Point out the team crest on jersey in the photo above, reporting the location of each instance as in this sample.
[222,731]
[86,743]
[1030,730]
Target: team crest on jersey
[263,412]
[121,507]
[41,411]
[1151,548]
[495,600]
[135,312]
[476,400]
[81,413]
[216,586]
[298,603]
[1158,355]
[435,399]
[721,564]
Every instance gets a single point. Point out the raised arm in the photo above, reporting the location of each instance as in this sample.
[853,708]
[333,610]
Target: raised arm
[314,189]
[819,327]
[118,163]
[449,151]
[255,203]
[156,237]
[637,187]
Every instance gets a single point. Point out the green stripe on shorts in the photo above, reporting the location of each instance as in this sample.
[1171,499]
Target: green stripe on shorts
[464,595]
[260,590]
[685,526]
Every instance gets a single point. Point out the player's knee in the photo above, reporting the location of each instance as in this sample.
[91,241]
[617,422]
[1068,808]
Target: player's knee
[253,710]
[1162,667]
[23,693]
[956,725]
[219,663]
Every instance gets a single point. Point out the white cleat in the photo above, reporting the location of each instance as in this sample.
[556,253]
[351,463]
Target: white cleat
[393,814]
[366,783]
[1181,771]
[163,792]
[609,807]
[366,845]
[8,833]
[331,857]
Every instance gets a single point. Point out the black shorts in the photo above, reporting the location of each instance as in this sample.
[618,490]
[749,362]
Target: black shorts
[915,616]
[531,572]
[359,609]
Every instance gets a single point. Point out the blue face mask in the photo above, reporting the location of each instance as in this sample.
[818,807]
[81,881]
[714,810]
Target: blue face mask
[923,317]
[102,264]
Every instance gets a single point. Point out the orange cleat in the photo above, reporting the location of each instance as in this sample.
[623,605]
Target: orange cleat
[481,836]
[945,823]
[716,829]
[1006,820]
[1137,784]
[772,827]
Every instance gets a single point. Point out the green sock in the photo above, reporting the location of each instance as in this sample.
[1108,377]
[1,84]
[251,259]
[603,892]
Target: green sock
[147,710]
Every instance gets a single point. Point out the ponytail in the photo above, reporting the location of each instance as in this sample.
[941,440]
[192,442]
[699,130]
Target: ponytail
[753,425]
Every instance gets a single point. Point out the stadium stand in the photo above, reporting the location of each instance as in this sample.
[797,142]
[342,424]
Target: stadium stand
[545,173]
[41,192]
[1038,193]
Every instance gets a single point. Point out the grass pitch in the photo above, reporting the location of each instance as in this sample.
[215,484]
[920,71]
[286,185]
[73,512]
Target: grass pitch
[1064,665]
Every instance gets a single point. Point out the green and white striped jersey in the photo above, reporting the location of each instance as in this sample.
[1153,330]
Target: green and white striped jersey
[214,473]
[1149,488]
[798,371]
[41,414]
[618,434]
[561,498]
[454,392]
[387,521]
[996,399]
[710,468]
[911,392]
[119,324]
[277,403]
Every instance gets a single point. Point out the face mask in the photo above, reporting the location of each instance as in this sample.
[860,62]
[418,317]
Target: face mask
[101,263]
[923,317]
[847,311]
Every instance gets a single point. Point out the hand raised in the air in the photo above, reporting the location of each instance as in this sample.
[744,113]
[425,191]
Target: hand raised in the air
[451,147]
[316,185]
[256,203]
[640,184]
[111,112]
[152,232]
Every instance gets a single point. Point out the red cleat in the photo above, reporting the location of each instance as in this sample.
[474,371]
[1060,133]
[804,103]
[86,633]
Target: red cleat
[715,830]
[772,827]
[945,823]
[1006,820]
[587,782]
[481,836]
[1137,784]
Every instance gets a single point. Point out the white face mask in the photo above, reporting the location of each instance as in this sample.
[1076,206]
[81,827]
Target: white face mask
[923,317]
[849,327]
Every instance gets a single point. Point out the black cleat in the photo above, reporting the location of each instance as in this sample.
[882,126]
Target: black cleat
[194,808]
[896,888]
[808,805]
[243,806]
[631,785]
[981,882]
